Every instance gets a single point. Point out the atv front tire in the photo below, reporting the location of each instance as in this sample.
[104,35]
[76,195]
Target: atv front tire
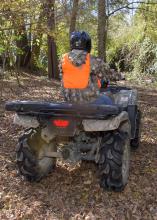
[31,164]
[114,160]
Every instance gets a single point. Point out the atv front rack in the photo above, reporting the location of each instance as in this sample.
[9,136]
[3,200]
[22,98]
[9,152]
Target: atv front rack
[86,111]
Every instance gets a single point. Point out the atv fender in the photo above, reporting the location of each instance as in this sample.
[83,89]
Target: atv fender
[26,121]
[32,122]
[105,125]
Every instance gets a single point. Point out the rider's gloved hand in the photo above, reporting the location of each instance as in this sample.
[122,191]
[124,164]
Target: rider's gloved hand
[104,83]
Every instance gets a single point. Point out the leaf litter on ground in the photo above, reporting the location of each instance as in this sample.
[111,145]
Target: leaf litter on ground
[73,193]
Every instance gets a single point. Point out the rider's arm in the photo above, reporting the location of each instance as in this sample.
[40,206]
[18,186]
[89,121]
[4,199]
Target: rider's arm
[113,75]
[103,71]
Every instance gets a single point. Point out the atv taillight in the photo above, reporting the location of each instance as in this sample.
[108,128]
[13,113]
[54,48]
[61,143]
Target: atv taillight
[61,123]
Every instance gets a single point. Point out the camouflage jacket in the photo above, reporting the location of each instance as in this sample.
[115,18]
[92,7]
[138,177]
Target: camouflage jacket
[99,70]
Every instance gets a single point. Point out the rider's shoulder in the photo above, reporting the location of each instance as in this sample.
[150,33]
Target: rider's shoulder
[98,61]
[95,60]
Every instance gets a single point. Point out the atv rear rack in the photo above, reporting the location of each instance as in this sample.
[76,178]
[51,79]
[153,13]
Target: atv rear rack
[46,109]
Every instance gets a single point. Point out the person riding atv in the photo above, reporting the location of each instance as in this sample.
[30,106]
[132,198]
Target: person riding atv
[87,126]
[83,74]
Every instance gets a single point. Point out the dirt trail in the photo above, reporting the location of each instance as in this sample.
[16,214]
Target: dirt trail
[74,192]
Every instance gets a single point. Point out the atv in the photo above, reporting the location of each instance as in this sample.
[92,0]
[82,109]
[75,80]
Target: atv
[102,134]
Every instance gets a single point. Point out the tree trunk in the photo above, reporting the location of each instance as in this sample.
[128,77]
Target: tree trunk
[53,72]
[23,56]
[4,57]
[37,40]
[74,16]
[35,52]
[102,29]
[36,44]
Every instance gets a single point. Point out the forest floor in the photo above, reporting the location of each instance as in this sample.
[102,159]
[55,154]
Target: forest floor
[73,193]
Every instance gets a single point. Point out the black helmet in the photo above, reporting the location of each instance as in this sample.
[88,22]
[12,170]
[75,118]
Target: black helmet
[80,41]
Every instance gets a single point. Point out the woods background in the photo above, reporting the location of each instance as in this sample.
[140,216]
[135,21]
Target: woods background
[33,36]
[35,33]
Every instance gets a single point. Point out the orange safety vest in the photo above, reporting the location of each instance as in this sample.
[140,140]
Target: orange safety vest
[76,77]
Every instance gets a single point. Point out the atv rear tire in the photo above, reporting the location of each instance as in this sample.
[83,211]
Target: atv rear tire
[136,141]
[31,164]
[114,161]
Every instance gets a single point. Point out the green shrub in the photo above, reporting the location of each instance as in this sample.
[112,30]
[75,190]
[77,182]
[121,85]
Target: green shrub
[145,61]
[140,58]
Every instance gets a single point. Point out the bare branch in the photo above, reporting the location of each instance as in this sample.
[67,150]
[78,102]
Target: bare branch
[116,10]
[127,6]
[142,9]
[138,2]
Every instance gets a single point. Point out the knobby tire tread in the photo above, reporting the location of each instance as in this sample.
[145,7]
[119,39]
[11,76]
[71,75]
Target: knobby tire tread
[26,160]
[111,168]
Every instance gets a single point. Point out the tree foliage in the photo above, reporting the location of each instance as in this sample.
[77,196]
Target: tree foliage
[128,32]
[132,42]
